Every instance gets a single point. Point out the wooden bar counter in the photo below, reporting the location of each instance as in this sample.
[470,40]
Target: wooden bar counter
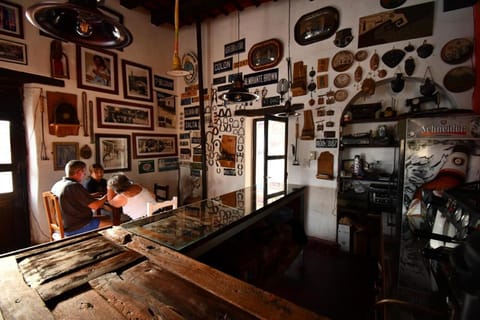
[119,274]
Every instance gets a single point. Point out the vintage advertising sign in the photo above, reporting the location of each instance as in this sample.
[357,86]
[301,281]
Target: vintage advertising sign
[223,65]
[261,78]
[234,47]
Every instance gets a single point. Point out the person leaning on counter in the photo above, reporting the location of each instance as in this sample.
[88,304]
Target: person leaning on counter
[76,202]
[122,192]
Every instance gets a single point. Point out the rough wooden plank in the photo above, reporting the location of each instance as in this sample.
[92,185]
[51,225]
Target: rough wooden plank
[31,251]
[244,296]
[17,300]
[77,278]
[117,234]
[52,264]
[88,305]
[145,291]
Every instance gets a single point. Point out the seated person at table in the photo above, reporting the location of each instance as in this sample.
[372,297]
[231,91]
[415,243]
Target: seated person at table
[76,202]
[96,184]
[121,192]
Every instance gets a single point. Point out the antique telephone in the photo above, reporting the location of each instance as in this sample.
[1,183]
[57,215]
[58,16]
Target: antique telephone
[415,103]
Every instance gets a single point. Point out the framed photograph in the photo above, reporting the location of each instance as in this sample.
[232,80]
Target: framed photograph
[97,70]
[149,145]
[124,115]
[146,166]
[11,22]
[12,51]
[113,152]
[167,164]
[137,81]
[265,54]
[64,152]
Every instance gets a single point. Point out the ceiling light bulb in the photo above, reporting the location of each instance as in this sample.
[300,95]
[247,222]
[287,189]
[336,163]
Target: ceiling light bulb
[83,28]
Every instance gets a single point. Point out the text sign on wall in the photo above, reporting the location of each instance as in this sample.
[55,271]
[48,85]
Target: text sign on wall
[326,143]
[234,47]
[223,65]
[161,82]
[261,78]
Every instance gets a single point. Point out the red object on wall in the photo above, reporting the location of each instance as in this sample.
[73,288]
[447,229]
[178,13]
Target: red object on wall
[476,90]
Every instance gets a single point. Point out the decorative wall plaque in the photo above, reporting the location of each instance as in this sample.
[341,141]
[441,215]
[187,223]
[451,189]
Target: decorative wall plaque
[265,54]
[316,26]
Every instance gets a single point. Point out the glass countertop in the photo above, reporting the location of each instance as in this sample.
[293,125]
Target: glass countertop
[186,225]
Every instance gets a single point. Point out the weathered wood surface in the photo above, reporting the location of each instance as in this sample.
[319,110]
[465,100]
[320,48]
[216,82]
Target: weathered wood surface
[73,264]
[88,305]
[252,300]
[17,300]
[148,292]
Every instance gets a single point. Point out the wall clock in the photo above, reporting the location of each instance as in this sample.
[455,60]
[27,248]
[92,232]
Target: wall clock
[190,63]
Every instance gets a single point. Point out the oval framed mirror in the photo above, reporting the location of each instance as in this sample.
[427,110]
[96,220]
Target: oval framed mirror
[265,54]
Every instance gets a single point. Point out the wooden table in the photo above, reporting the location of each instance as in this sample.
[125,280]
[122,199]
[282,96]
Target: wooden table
[116,274]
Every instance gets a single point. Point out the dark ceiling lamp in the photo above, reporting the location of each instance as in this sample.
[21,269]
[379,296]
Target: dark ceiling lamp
[238,93]
[177,69]
[79,21]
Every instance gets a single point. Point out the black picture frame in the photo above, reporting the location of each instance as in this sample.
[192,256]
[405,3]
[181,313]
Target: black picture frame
[113,152]
[137,81]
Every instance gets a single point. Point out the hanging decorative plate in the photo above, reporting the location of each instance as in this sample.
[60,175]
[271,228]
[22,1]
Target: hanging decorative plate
[358,74]
[190,63]
[361,55]
[459,79]
[342,61]
[374,61]
[341,95]
[85,152]
[457,51]
[342,80]
[316,26]
[393,57]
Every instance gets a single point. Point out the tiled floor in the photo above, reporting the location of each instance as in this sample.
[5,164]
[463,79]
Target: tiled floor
[329,282]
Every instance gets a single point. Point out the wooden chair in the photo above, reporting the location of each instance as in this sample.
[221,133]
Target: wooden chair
[161,192]
[54,215]
[154,206]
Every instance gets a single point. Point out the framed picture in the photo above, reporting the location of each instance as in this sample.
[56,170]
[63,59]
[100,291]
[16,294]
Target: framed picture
[167,164]
[315,26]
[113,152]
[12,51]
[11,22]
[137,81]
[149,145]
[97,70]
[265,54]
[124,115]
[146,166]
[64,152]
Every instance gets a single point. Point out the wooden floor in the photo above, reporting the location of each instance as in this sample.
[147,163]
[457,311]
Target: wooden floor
[329,282]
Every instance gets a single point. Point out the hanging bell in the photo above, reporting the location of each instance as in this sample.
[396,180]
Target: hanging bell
[398,83]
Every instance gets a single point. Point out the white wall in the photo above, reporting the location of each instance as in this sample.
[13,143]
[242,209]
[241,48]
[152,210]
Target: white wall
[152,46]
[270,20]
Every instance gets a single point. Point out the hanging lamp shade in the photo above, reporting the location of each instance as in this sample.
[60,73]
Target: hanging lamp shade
[238,93]
[79,21]
[177,69]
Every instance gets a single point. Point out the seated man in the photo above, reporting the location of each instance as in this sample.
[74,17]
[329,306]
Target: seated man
[76,202]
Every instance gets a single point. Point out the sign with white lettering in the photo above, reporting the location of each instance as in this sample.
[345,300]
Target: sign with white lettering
[261,78]
[222,65]
[271,101]
[163,83]
[234,47]
[192,125]
[326,143]
[192,111]
[219,80]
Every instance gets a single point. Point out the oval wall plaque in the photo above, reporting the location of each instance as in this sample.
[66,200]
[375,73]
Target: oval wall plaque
[265,54]
[316,26]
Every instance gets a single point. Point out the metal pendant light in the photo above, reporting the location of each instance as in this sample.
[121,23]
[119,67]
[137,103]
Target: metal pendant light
[238,93]
[177,69]
[79,21]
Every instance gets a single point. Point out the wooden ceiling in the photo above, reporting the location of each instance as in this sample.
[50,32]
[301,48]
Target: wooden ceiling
[190,11]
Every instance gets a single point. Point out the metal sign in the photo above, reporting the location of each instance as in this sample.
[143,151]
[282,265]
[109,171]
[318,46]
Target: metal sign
[234,47]
[261,78]
[271,101]
[219,80]
[223,65]
[192,125]
[326,143]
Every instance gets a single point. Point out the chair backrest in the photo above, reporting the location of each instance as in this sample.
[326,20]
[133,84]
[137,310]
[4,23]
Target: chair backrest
[161,192]
[54,215]
[154,206]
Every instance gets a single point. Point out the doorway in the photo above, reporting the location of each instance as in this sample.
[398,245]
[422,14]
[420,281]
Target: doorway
[270,155]
[14,208]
